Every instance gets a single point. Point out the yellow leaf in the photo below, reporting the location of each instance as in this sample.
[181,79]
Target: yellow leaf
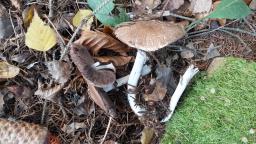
[40,36]
[7,70]
[80,15]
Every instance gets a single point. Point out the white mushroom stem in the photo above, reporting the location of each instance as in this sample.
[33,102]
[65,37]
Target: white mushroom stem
[183,82]
[123,80]
[140,60]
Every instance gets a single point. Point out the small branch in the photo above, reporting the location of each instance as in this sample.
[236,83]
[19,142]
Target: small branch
[50,7]
[183,82]
[106,132]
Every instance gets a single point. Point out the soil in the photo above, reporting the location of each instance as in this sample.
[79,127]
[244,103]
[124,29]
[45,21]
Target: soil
[126,127]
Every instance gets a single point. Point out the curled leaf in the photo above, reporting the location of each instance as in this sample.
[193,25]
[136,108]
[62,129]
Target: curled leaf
[147,135]
[27,15]
[116,60]
[80,15]
[8,71]
[84,62]
[96,41]
[40,36]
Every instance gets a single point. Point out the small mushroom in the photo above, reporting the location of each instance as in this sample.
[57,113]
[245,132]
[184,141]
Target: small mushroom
[147,36]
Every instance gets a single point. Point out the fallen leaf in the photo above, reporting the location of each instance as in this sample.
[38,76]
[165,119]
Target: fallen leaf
[83,60]
[59,70]
[222,22]
[101,99]
[71,128]
[116,60]
[27,15]
[253,5]
[200,6]
[84,106]
[160,84]
[85,64]
[229,9]
[8,71]
[147,135]
[174,4]
[20,91]
[95,41]
[16,4]
[40,36]
[6,29]
[80,15]
[48,92]
[21,58]
[187,54]
[212,52]
[151,4]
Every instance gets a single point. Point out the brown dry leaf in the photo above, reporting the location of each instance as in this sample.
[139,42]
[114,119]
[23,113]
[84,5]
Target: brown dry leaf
[253,5]
[69,129]
[20,91]
[8,71]
[174,4]
[48,92]
[147,135]
[101,99]
[150,35]
[59,70]
[200,6]
[161,84]
[116,60]
[158,93]
[16,3]
[151,4]
[95,41]
[84,62]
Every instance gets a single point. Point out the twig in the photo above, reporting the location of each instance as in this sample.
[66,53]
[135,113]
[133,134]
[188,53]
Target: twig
[50,7]
[106,132]
[16,35]
[239,30]
[83,22]
[43,113]
[249,25]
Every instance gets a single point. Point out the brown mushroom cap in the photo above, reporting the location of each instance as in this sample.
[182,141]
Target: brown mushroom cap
[149,35]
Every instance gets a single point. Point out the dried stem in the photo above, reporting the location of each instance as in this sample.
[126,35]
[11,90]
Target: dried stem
[106,132]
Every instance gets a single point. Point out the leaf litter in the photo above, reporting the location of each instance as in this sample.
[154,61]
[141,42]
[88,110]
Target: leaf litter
[71,87]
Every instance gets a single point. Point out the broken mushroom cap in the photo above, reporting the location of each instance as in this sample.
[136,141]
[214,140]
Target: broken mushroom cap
[150,35]
[84,62]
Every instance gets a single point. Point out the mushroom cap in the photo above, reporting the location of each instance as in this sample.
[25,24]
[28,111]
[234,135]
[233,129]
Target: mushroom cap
[149,35]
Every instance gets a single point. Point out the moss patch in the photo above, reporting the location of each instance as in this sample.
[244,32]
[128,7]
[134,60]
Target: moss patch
[217,109]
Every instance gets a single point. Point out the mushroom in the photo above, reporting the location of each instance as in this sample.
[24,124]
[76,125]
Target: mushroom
[146,36]
[96,78]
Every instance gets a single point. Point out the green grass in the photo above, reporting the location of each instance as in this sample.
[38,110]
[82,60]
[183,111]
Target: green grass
[223,117]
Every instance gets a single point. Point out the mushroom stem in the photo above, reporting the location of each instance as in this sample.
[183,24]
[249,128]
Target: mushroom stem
[123,80]
[140,60]
[183,82]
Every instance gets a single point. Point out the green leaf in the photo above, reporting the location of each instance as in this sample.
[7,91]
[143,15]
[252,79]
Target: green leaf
[105,10]
[231,9]
[113,20]
[105,16]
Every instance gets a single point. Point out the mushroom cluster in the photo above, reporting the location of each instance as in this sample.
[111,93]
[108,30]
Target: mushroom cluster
[151,36]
